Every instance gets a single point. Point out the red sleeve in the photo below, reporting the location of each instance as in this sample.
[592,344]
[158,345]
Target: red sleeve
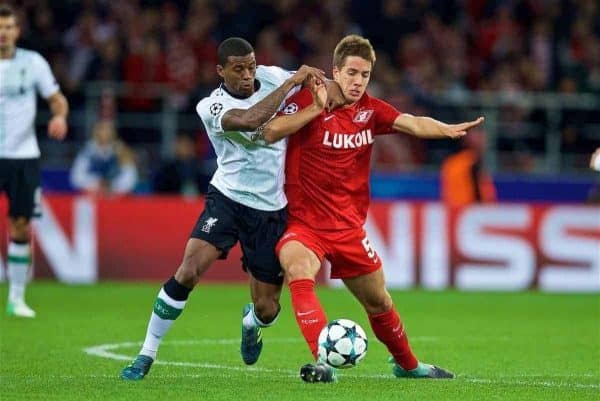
[296,102]
[385,115]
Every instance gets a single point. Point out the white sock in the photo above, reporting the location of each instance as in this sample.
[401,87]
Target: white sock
[19,259]
[251,320]
[166,310]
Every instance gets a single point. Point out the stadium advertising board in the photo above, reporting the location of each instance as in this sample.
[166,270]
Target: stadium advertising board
[505,247]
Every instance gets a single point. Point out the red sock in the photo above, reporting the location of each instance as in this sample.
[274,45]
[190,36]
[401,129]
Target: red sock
[389,330]
[308,311]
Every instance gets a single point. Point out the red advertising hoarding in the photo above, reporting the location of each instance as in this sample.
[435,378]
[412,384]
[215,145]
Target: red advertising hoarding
[553,247]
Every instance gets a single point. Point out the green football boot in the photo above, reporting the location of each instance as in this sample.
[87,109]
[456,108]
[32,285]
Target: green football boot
[138,369]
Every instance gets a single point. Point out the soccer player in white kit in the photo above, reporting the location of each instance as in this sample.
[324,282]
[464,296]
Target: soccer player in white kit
[22,74]
[245,201]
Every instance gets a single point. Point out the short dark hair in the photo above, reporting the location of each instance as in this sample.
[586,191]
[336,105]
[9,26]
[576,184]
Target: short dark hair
[7,11]
[353,45]
[233,47]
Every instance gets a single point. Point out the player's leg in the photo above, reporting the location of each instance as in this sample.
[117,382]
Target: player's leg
[198,257]
[301,265]
[212,238]
[259,233]
[369,289]
[265,299]
[262,312]
[22,187]
[19,262]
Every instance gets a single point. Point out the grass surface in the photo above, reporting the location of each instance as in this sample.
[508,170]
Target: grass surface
[525,346]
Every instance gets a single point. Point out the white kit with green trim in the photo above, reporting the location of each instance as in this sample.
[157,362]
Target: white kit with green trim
[250,171]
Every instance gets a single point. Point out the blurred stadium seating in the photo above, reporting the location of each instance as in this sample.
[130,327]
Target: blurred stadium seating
[531,67]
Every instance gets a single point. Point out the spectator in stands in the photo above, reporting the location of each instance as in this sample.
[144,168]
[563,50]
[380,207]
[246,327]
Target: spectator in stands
[463,179]
[594,194]
[432,46]
[105,166]
[183,174]
[595,160]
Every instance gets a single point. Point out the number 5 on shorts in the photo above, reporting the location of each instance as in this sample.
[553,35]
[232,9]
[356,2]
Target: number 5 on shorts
[368,248]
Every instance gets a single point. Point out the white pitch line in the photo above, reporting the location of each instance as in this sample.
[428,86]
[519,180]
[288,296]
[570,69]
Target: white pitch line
[105,351]
[537,383]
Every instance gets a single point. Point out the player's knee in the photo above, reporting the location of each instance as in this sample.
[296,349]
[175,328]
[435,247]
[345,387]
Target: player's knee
[196,261]
[298,270]
[19,229]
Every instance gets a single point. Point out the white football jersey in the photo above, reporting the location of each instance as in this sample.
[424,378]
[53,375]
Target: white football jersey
[20,78]
[250,171]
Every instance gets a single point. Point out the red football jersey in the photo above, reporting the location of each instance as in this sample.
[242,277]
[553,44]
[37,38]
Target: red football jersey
[328,162]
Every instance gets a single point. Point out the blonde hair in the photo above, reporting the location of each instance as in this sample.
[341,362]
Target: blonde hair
[353,45]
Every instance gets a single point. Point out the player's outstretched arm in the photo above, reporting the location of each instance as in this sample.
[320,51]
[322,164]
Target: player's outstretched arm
[426,127]
[57,126]
[288,124]
[254,117]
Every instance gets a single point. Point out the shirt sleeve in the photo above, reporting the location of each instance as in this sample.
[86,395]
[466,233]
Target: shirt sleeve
[296,102]
[385,115]
[44,79]
[211,110]
[276,75]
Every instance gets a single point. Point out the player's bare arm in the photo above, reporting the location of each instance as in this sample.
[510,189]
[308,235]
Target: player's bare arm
[57,126]
[427,127]
[286,125]
[254,117]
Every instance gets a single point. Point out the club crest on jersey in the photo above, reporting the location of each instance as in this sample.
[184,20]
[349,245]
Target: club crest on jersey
[363,116]
[290,108]
[215,108]
[348,141]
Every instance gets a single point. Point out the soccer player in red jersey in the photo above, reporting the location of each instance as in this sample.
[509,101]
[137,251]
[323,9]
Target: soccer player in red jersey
[327,185]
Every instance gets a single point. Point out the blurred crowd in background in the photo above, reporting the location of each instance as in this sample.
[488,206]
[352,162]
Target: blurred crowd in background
[424,47]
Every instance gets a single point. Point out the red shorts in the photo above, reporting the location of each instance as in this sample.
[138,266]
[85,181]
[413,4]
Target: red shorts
[349,251]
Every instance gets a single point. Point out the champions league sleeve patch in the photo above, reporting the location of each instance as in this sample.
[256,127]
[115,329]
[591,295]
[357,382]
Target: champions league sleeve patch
[215,109]
[290,108]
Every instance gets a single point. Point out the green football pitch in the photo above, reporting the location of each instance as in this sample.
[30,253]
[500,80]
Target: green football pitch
[521,346]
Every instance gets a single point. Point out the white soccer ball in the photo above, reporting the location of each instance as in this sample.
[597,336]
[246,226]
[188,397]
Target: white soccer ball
[342,344]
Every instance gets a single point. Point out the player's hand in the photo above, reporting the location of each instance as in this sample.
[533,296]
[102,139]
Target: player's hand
[57,127]
[458,130]
[335,96]
[595,160]
[319,92]
[305,72]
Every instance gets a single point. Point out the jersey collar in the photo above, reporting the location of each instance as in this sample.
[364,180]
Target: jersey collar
[256,88]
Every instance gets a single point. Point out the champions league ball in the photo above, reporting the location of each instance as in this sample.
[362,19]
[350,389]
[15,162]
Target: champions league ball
[342,344]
